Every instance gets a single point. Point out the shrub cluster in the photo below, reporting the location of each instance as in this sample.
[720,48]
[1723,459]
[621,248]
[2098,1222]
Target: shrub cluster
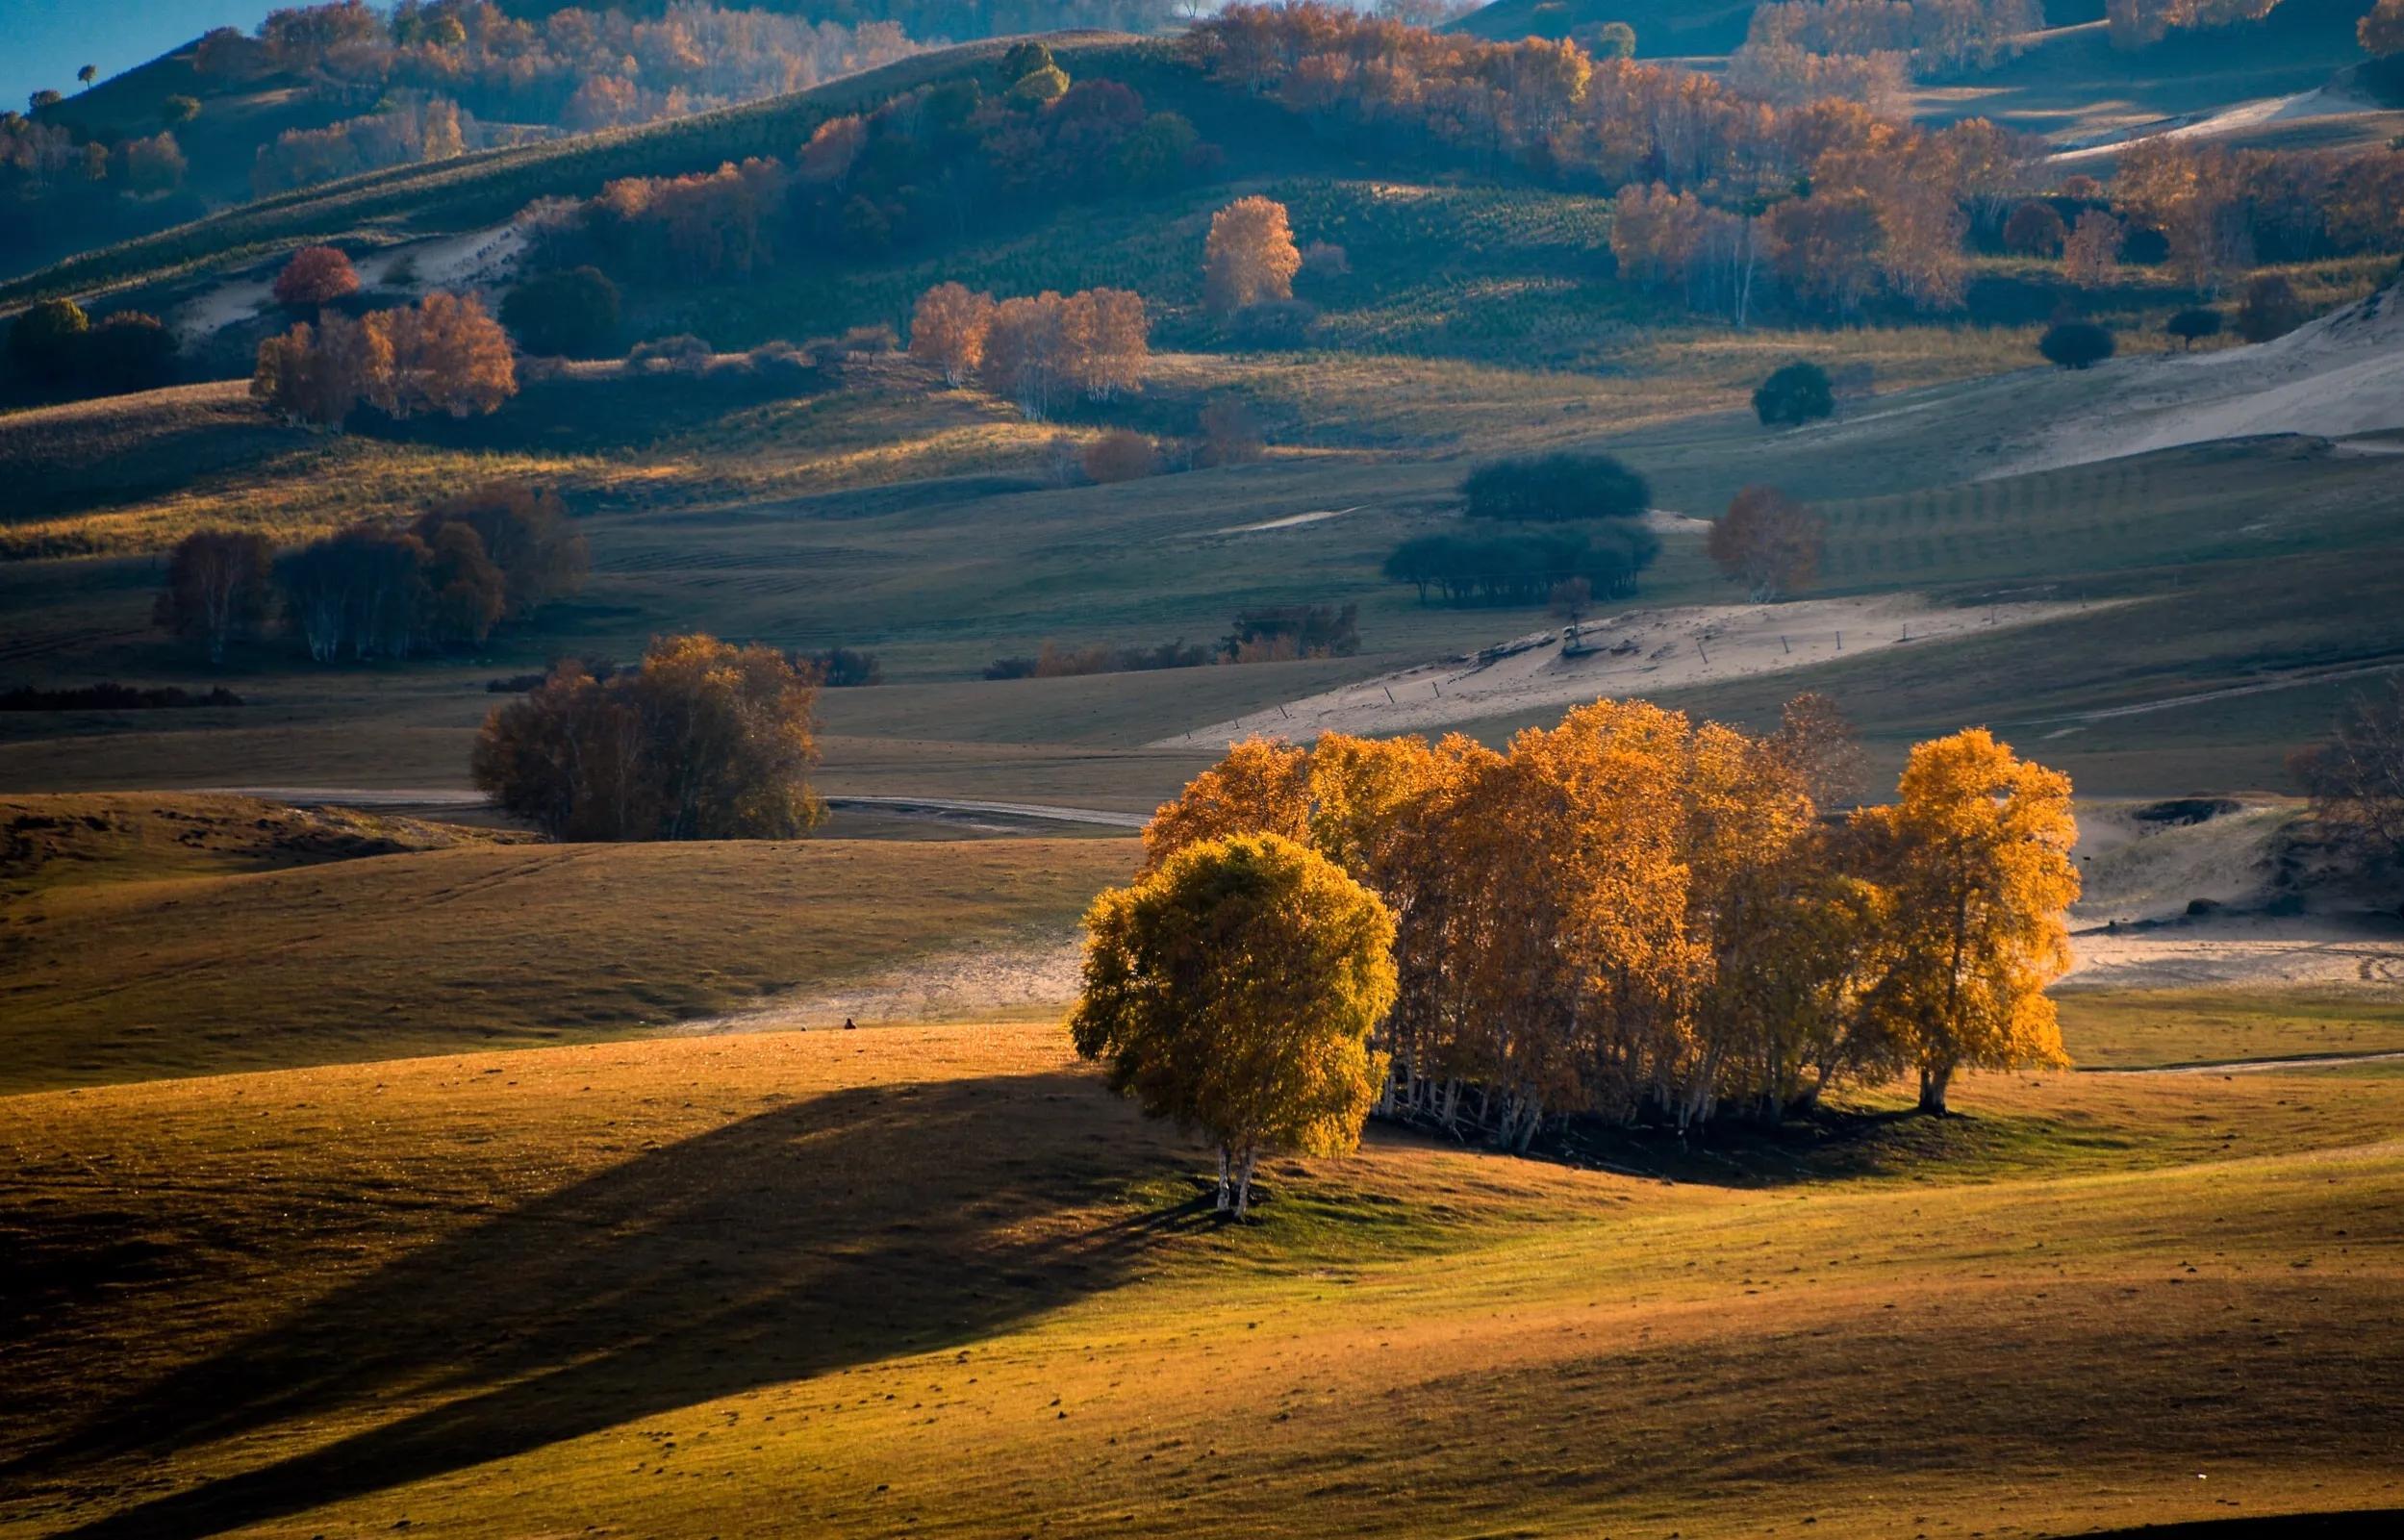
[705,740]
[1523,566]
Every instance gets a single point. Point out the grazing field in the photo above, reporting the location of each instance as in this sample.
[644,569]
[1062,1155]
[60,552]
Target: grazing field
[936,1282]
[154,954]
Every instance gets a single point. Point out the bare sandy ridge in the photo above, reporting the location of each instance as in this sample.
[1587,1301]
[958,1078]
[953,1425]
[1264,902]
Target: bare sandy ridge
[1632,653]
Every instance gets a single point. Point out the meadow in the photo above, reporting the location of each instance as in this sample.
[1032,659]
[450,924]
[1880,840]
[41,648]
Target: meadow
[936,1282]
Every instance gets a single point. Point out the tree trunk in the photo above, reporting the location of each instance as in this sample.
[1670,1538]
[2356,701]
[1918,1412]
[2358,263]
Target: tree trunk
[1932,1082]
[1222,1205]
[1244,1185]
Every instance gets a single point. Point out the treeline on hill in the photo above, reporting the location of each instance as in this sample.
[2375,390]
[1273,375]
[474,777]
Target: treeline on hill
[1824,206]
[1035,350]
[497,553]
[1872,50]
[705,740]
[1530,566]
[426,82]
[1633,917]
[56,350]
[925,166]
[1281,634]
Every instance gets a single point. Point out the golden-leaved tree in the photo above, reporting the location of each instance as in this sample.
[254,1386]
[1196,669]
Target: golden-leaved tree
[1633,916]
[948,331]
[1975,853]
[1250,255]
[1233,989]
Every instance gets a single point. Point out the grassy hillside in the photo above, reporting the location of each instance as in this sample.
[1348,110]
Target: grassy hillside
[198,936]
[939,1282]
[1664,28]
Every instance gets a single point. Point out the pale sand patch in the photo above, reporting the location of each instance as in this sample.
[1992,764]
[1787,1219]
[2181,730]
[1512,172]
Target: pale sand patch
[2322,952]
[1036,976]
[1632,653]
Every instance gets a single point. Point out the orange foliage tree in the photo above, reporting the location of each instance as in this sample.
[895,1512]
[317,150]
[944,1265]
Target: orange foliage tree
[1767,542]
[1632,914]
[316,275]
[948,331]
[1248,257]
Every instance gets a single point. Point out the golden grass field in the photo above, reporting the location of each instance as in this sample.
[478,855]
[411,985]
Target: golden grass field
[169,945]
[937,1281]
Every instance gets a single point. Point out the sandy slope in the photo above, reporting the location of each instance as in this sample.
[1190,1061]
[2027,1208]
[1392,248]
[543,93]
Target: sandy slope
[472,260]
[2320,102]
[1632,653]
[2335,377]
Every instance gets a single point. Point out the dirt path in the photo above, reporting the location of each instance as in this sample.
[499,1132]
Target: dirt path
[2337,1061]
[1632,653]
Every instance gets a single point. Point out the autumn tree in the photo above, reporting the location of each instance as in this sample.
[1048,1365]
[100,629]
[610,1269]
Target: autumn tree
[2271,309]
[1767,542]
[1120,454]
[1250,255]
[706,741]
[1025,352]
[542,556]
[2381,33]
[1232,434]
[1820,747]
[216,590]
[447,356]
[2356,779]
[46,341]
[1976,852]
[315,276]
[2034,229]
[948,331]
[2091,252]
[1233,990]
[1105,341]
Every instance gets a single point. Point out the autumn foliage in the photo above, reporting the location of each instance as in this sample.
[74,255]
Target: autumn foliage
[1036,349]
[1250,255]
[442,355]
[1234,989]
[1633,916]
[316,275]
[1767,542]
[705,740]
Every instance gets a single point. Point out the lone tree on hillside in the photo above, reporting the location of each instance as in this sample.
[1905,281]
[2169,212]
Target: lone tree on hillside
[1233,989]
[1767,542]
[1797,393]
[1553,486]
[563,315]
[1975,853]
[2357,778]
[1250,255]
[88,74]
[45,344]
[316,275]
[2075,345]
[217,589]
[2192,325]
[2271,308]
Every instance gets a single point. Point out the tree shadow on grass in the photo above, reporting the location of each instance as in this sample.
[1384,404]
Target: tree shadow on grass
[837,1230]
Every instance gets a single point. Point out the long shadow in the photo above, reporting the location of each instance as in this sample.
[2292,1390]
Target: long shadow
[833,1231]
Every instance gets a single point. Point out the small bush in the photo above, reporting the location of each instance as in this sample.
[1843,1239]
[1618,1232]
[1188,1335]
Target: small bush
[2271,308]
[1120,455]
[842,667]
[1797,393]
[683,354]
[2076,344]
[2192,325]
[1274,325]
